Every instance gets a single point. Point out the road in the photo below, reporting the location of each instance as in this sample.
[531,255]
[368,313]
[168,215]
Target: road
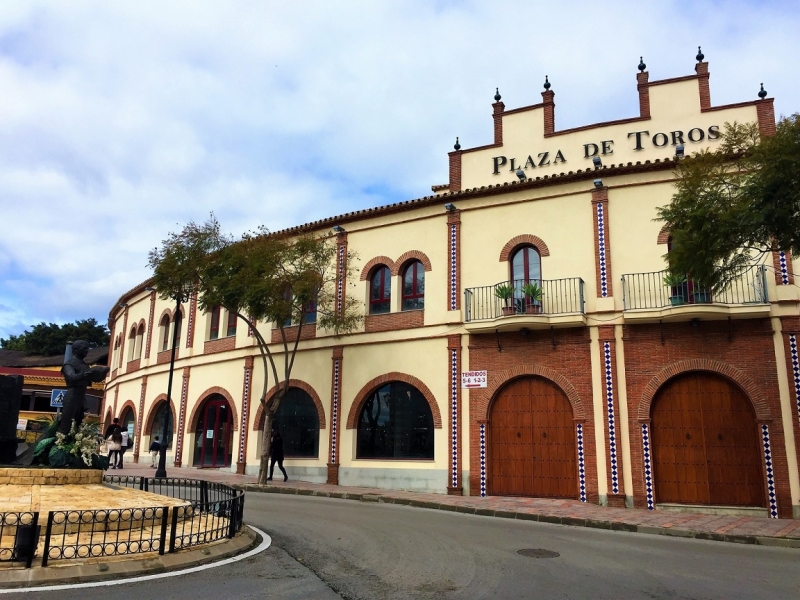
[329,548]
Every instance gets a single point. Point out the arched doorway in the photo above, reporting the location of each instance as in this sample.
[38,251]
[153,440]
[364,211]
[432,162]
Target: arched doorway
[213,443]
[298,421]
[532,441]
[705,443]
[127,422]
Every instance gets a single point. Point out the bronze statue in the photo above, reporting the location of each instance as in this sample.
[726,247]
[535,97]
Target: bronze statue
[78,375]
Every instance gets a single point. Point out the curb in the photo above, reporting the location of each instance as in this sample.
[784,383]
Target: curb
[115,569]
[781,542]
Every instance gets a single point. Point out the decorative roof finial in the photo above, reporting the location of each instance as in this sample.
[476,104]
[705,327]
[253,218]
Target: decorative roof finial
[763,93]
[700,56]
[546,83]
[497,95]
[457,146]
[642,66]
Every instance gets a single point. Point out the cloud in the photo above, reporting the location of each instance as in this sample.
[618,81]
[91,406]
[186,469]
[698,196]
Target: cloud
[122,121]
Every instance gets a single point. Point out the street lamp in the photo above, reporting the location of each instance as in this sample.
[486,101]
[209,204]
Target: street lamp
[161,471]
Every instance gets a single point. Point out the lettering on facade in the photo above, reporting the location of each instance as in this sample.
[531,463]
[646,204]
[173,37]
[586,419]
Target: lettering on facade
[639,140]
[474,379]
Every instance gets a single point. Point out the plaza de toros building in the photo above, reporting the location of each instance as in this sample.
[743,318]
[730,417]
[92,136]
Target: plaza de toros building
[603,383]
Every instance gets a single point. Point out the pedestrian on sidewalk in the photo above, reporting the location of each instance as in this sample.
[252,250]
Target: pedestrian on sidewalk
[110,429]
[126,438]
[276,455]
[114,444]
[155,449]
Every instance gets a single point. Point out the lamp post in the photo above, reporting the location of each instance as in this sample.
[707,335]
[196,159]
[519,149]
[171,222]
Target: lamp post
[161,471]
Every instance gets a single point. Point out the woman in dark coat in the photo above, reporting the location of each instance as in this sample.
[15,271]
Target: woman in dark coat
[276,455]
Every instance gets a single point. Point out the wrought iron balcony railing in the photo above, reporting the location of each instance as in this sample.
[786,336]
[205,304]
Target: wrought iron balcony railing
[558,296]
[653,290]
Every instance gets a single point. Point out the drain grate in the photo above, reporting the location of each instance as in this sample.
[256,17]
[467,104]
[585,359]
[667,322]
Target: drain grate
[538,553]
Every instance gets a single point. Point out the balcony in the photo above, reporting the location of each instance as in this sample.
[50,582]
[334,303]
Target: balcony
[561,305]
[646,297]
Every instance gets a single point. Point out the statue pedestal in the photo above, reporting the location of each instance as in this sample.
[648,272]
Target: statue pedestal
[49,476]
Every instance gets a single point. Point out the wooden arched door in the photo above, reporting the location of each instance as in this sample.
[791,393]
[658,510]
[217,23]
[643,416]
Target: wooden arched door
[532,441]
[705,444]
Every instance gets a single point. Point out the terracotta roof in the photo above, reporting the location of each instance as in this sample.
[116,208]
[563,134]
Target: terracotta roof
[16,358]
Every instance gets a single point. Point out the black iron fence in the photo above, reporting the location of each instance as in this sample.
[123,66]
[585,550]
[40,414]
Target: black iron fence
[210,512]
[555,296]
[657,290]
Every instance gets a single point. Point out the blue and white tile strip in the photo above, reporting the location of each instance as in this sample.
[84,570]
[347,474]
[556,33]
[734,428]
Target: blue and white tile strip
[612,428]
[648,469]
[340,278]
[795,369]
[483,460]
[773,500]
[245,407]
[601,246]
[190,325]
[581,465]
[181,414]
[454,417]
[335,414]
[784,268]
[141,420]
[453,266]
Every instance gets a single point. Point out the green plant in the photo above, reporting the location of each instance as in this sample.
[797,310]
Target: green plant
[533,291]
[674,279]
[504,292]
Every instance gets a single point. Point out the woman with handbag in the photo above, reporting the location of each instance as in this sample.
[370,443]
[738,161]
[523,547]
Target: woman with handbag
[114,446]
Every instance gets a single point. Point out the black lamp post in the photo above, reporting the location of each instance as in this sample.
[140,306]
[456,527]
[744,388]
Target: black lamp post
[161,471]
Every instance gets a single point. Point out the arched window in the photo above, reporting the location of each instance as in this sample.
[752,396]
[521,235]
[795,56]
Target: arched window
[395,423]
[139,341]
[132,345]
[231,329]
[298,422]
[165,333]
[414,286]
[127,423]
[213,333]
[158,424]
[380,290]
[526,265]
[177,323]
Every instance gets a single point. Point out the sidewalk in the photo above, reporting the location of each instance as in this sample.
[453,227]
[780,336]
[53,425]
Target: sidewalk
[743,530]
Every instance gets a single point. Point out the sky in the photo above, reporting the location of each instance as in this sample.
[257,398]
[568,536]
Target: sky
[122,121]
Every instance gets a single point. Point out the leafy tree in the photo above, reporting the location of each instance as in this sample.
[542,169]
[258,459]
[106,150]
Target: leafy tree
[261,277]
[51,339]
[736,204]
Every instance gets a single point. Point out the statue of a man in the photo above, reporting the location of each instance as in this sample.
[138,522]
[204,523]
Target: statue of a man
[78,375]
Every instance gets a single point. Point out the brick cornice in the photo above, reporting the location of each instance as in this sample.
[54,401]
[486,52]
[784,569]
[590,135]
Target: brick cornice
[371,386]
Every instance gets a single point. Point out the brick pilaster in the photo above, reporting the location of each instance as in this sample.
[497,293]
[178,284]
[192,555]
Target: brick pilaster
[122,342]
[701,69]
[454,371]
[643,87]
[336,413]
[192,320]
[138,445]
[179,430]
[116,396]
[454,260]
[765,112]
[498,109]
[782,263]
[341,272]
[602,243]
[455,171]
[247,385]
[150,325]
[549,111]
[608,361]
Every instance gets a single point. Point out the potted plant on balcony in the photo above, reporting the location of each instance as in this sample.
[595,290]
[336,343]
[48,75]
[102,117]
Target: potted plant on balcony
[533,292]
[505,292]
[701,294]
[676,282]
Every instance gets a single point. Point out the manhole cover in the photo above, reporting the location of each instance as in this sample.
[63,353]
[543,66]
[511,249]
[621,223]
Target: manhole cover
[538,553]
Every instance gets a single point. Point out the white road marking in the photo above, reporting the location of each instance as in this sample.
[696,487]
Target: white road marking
[266,541]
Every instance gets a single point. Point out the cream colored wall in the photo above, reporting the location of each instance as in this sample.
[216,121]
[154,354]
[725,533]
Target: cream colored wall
[425,359]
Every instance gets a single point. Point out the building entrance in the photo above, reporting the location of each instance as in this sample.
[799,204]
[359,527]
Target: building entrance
[532,441]
[214,434]
[705,444]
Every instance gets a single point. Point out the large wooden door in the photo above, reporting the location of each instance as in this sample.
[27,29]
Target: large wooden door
[705,444]
[532,442]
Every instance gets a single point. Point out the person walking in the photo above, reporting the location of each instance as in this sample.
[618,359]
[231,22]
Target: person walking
[114,445]
[155,449]
[276,455]
[123,447]
[110,429]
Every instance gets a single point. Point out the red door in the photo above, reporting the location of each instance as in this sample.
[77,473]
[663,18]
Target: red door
[216,431]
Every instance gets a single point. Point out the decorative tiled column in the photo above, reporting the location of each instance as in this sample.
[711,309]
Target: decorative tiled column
[648,467]
[454,368]
[608,357]
[341,272]
[150,318]
[336,409]
[602,244]
[179,431]
[482,456]
[192,320]
[453,260]
[140,420]
[782,262]
[767,447]
[581,462]
[241,463]
[122,343]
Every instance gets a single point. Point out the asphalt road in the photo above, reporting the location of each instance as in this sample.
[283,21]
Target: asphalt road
[328,548]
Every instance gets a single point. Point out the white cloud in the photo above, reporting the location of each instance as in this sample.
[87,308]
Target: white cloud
[122,121]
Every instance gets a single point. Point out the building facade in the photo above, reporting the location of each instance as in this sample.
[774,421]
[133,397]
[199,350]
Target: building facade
[538,271]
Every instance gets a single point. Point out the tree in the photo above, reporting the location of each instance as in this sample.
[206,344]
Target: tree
[261,277]
[736,204]
[51,339]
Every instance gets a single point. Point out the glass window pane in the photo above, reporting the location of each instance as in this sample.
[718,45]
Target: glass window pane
[298,422]
[518,266]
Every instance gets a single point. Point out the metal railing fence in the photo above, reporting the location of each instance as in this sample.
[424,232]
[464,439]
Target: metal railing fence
[559,296]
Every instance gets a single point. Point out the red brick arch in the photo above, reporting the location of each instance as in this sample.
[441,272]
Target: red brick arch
[141,327]
[164,312]
[407,257]
[663,235]
[148,425]
[132,406]
[363,395]
[374,262]
[500,379]
[747,385]
[258,424]
[524,240]
[191,424]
